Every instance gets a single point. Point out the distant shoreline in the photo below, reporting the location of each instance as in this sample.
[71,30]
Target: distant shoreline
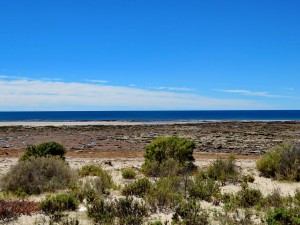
[124,122]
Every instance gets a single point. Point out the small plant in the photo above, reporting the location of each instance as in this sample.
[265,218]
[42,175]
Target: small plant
[235,218]
[102,212]
[281,163]
[90,189]
[190,213]
[166,192]
[138,188]
[283,216]
[59,203]
[12,209]
[169,167]
[273,200]
[203,189]
[248,178]
[162,148]
[128,173]
[130,212]
[223,170]
[125,210]
[297,197]
[248,197]
[38,175]
[91,170]
[46,149]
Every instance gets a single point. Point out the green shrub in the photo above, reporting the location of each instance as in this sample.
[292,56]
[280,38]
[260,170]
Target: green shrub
[91,170]
[166,192]
[102,212]
[162,148]
[46,149]
[248,197]
[58,203]
[223,170]
[248,178]
[283,216]
[38,175]
[190,213]
[138,188]
[128,173]
[169,167]
[268,163]
[91,188]
[101,184]
[203,189]
[281,163]
[273,200]
[123,211]
[130,212]
[235,218]
[297,197]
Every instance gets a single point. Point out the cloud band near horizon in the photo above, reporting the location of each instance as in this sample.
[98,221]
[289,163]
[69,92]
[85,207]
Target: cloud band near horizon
[38,94]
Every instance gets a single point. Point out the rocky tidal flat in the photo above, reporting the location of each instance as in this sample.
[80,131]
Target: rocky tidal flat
[241,138]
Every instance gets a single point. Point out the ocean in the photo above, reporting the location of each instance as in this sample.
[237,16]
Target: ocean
[259,115]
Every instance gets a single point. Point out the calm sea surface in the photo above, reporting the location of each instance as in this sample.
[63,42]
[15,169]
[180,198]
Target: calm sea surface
[151,115]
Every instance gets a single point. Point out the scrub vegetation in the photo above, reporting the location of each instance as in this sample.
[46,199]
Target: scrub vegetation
[168,182]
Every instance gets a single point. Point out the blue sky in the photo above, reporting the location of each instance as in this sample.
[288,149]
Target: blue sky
[141,55]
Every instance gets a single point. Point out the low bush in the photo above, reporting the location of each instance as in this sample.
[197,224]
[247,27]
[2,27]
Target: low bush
[223,170]
[297,197]
[138,188]
[91,170]
[283,216]
[190,213]
[166,193]
[248,197]
[203,189]
[130,212]
[59,203]
[273,200]
[101,184]
[235,218]
[128,173]
[102,212]
[281,163]
[91,188]
[12,209]
[38,175]
[123,211]
[169,167]
[248,178]
[162,148]
[46,149]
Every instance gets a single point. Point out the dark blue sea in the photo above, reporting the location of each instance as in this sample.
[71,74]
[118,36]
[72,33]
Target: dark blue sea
[265,115]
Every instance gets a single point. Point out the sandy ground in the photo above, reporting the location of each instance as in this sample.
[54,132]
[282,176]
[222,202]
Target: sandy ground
[247,166]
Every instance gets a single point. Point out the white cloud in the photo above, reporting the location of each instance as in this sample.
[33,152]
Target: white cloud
[98,81]
[23,94]
[253,93]
[174,88]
